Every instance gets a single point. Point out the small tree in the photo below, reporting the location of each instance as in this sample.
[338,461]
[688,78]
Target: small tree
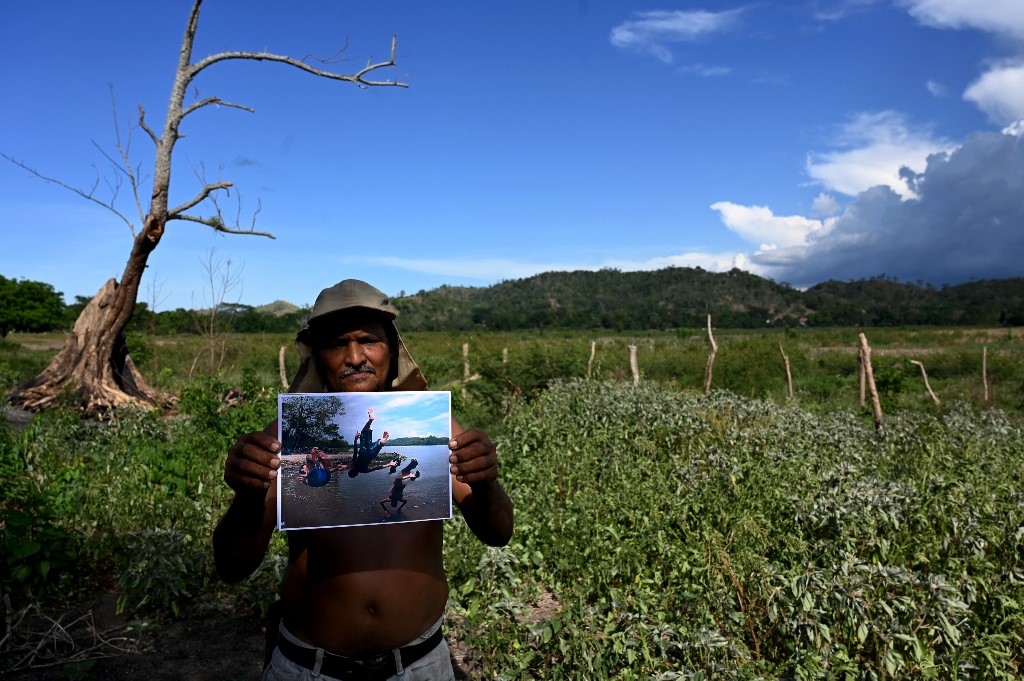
[94,362]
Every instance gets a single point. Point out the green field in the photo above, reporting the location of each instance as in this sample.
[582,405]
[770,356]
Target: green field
[661,533]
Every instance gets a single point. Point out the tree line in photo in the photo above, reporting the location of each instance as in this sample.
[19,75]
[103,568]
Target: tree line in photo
[606,299]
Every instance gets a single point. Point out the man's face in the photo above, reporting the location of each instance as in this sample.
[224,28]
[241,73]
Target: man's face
[357,357]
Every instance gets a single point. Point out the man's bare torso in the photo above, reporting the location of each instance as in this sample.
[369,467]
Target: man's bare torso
[381,595]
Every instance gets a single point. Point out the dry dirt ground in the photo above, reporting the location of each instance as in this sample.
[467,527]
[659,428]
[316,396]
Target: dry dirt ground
[97,644]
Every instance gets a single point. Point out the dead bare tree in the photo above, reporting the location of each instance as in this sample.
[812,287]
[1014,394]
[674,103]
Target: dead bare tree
[94,363]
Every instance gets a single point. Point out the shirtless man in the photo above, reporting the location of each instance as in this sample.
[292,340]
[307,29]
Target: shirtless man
[341,616]
[363,449]
[396,495]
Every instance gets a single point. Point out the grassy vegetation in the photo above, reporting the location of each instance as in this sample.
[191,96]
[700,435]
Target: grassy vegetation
[660,533]
[721,537]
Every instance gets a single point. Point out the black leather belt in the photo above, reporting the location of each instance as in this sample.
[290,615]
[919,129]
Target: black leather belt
[369,668]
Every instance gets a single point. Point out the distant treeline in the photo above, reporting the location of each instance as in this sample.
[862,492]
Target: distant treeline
[417,441]
[607,299]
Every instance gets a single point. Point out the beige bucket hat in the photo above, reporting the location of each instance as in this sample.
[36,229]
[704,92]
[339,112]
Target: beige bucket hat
[352,294]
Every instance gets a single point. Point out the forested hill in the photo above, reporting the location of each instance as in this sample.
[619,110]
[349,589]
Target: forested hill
[683,297]
[609,299]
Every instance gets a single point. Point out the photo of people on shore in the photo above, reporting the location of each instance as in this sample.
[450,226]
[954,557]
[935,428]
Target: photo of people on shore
[363,458]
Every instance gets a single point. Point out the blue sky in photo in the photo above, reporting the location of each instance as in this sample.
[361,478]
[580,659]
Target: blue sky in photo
[803,140]
[402,414]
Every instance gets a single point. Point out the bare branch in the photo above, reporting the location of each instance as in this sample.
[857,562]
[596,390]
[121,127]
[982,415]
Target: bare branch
[218,102]
[198,198]
[359,78]
[219,226]
[333,59]
[125,152]
[142,124]
[85,195]
[259,209]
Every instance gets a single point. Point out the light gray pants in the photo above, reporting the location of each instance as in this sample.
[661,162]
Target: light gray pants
[434,666]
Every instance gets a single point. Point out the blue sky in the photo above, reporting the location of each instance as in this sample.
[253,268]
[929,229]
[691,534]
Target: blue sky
[533,136]
[402,414]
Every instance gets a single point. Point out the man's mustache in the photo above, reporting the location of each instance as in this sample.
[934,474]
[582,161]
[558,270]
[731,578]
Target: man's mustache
[361,369]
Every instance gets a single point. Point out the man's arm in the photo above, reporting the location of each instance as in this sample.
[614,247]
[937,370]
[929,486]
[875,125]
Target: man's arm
[475,487]
[242,536]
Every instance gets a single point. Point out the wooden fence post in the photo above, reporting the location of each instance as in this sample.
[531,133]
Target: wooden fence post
[711,360]
[280,365]
[504,355]
[633,366]
[465,368]
[928,387]
[863,378]
[876,405]
[789,375]
[590,362]
[984,369]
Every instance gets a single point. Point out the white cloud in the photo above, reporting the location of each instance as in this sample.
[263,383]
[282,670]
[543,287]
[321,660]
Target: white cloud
[652,31]
[825,204]
[494,270]
[936,89]
[834,11]
[758,225]
[1016,128]
[999,92]
[871,150]
[713,262]
[995,16]
[967,221]
[706,71]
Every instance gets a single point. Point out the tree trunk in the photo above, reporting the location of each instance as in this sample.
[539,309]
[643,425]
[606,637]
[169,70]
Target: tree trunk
[94,368]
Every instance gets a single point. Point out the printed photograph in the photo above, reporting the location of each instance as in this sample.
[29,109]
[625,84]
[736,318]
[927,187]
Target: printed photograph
[363,458]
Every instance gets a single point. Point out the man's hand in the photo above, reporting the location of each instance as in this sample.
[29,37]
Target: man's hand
[252,462]
[474,458]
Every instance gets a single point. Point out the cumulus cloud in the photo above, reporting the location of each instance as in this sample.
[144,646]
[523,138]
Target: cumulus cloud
[825,204]
[757,224]
[871,150]
[967,221]
[652,32]
[936,89]
[995,16]
[999,92]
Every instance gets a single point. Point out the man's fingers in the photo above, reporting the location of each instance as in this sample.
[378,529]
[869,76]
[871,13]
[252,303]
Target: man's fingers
[252,461]
[474,457]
